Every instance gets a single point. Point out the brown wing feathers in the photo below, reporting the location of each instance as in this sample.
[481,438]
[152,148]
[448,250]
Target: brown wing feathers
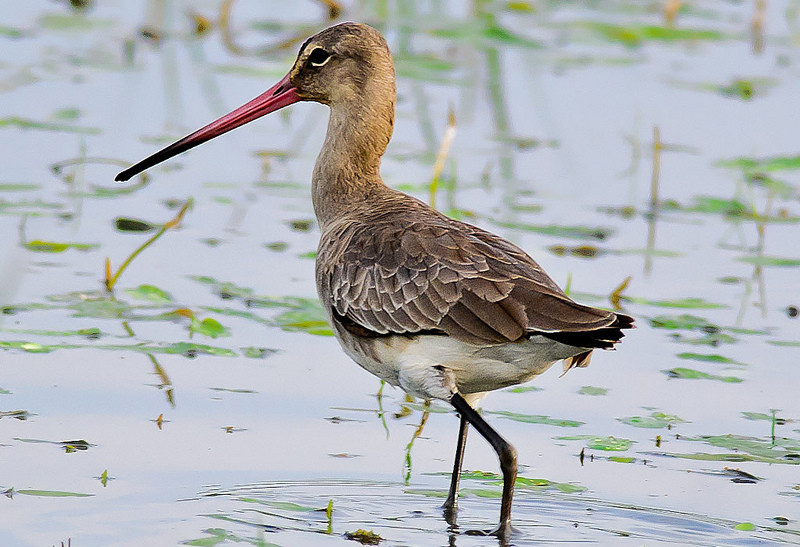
[456,279]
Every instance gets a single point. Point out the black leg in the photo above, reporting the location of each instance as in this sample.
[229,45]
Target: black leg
[505,452]
[451,503]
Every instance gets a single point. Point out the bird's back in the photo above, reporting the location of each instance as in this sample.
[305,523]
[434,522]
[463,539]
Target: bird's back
[395,266]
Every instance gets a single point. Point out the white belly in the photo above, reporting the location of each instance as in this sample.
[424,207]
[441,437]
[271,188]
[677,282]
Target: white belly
[424,366]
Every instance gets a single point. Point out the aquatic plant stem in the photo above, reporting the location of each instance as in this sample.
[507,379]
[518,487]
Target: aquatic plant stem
[651,218]
[654,180]
[616,295]
[110,281]
[414,437]
[441,156]
[381,412]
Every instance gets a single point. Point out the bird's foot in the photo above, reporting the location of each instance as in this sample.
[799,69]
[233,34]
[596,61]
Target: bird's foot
[502,531]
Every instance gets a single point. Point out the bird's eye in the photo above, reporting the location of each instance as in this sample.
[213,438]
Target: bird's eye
[318,57]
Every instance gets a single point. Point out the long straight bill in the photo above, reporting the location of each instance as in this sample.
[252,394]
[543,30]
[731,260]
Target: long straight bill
[280,95]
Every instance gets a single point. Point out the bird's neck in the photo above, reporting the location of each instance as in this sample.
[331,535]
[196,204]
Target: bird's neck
[347,171]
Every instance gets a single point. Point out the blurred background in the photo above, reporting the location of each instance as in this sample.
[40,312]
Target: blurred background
[166,373]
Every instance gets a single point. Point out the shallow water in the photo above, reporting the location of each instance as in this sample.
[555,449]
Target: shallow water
[264,421]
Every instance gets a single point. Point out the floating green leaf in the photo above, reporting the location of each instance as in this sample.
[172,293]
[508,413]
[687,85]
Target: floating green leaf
[692,374]
[494,493]
[257,353]
[656,420]
[90,333]
[591,390]
[689,303]
[52,493]
[232,390]
[708,339]
[68,446]
[186,348]
[712,358]
[226,291]
[706,457]
[767,164]
[301,225]
[610,443]
[635,35]
[30,347]
[100,308]
[761,260]
[524,389]
[124,224]
[237,313]
[17,187]
[427,493]
[282,505]
[422,407]
[727,207]
[216,536]
[765,453]
[75,446]
[364,537]
[763,416]
[26,123]
[684,321]
[785,343]
[573,232]
[545,484]
[534,418]
[289,506]
[21,415]
[67,114]
[738,88]
[151,293]
[622,459]
[745,526]
[76,23]
[46,246]
[782,449]
[11,32]
[277,246]
[208,327]
[746,89]
[311,320]
[587,251]
[51,247]
[480,475]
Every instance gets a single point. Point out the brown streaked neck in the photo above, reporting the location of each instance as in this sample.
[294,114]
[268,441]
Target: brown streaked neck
[348,166]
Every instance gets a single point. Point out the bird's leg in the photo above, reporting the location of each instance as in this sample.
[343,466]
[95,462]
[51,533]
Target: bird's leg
[451,504]
[505,452]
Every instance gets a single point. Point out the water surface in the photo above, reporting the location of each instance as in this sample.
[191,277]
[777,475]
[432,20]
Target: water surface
[127,419]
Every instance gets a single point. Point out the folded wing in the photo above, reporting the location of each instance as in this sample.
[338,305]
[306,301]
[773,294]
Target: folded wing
[441,275]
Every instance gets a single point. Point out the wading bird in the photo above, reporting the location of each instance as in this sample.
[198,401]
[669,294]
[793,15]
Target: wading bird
[438,307]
